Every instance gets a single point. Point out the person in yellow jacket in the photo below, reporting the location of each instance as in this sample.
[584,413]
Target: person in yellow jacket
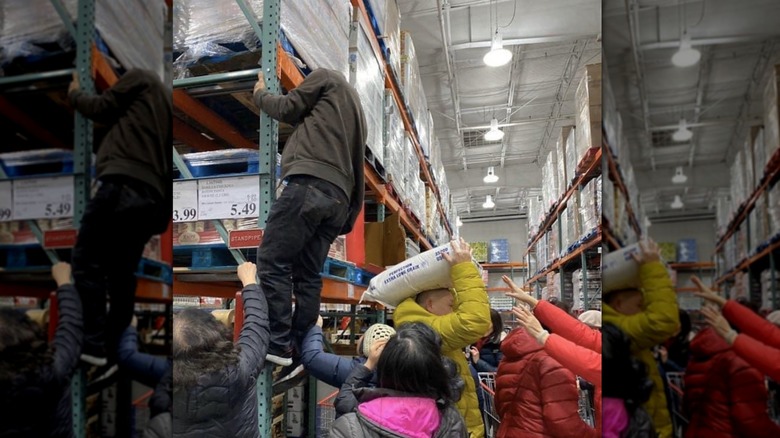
[460,319]
[649,316]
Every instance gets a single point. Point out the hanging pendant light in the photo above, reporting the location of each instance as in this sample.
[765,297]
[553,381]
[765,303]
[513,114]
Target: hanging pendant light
[488,203]
[683,132]
[677,203]
[494,134]
[686,55]
[498,55]
[491,176]
[679,177]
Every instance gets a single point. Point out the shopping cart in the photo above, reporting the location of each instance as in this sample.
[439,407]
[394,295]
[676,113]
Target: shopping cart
[487,384]
[674,392]
[326,415]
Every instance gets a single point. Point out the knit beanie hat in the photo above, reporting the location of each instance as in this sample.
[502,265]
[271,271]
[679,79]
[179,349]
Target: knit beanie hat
[774,318]
[376,332]
[591,318]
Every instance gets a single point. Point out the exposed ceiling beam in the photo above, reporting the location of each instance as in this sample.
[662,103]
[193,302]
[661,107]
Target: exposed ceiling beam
[673,44]
[524,41]
[632,13]
[701,124]
[519,123]
[704,74]
[444,27]
[513,75]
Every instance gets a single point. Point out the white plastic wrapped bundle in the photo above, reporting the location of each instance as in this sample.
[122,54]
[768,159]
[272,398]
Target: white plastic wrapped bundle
[28,23]
[533,216]
[771,107]
[588,110]
[394,144]
[767,300]
[134,31]
[773,207]
[318,29]
[571,155]
[608,206]
[586,294]
[549,181]
[565,174]
[738,191]
[388,18]
[759,155]
[367,76]
[722,212]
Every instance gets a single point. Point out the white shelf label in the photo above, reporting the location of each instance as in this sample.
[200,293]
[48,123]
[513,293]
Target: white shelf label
[229,198]
[43,198]
[6,202]
[185,201]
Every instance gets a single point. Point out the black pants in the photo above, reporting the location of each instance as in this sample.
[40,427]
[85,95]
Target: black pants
[117,223]
[301,226]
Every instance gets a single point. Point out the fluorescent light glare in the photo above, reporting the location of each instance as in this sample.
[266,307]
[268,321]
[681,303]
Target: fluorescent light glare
[677,204]
[488,203]
[498,55]
[494,134]
[491,176]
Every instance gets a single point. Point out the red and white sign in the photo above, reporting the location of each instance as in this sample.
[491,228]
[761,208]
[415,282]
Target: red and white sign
[55,239]
[245,238]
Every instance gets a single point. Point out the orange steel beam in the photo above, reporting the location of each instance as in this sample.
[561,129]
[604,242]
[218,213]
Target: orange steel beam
[30,125]
[102,72]
[208,118]
[191,137]
[566,259]
[152,291]
[206,289]
[288,73]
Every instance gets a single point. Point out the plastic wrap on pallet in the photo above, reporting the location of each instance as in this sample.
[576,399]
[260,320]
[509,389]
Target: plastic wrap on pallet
[549,181]
[533,216]
[367,76]
[589,207]
[388,18]
[319,32]
[572,158]
[722,210]
[27,25]
[134,30]
[588,109]
[771,108]
[738,192]
[608,204]
[612,121]
[586,294]
[393,133]
[498,251]
[565,173]
[553,247]
[759,155]
[770,301]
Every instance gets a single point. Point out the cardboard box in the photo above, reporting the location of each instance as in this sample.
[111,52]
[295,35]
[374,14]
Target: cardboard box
[385,242]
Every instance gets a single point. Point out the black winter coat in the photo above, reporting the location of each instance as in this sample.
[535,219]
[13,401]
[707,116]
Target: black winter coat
[224,403]
[39,404]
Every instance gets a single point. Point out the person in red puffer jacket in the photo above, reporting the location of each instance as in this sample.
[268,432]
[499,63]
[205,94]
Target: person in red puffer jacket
[536,397]
[724,396]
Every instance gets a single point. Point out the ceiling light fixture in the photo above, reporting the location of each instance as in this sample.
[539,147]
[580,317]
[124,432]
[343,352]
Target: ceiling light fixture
[686,55]
[683,132]
[488,203]
[494,134]
[679,177]
[491,176]
[677,204]
[498,55]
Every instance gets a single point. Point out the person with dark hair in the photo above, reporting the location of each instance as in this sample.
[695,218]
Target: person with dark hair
[214,381]
[486,353]
[35,376]
[415,396]
[322,169]
[535,395]
[724,396]
[134,165]
[649,316]
[678,348]
[460,319]
[759,341]
[626,389]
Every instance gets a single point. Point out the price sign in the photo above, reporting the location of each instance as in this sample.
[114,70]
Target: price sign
[228,198]
[185,201]
[43,198]
[5,201]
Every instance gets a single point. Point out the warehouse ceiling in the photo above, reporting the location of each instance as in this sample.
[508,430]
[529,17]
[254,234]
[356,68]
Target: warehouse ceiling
[720,95]
[533,94]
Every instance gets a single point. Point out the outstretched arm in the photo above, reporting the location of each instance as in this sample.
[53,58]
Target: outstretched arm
[255,333]
[107,107]
[291,107]
[330,368]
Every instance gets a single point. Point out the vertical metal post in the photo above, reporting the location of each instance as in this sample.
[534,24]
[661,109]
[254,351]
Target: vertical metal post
[82,145]
[269,128]
[584,260]
[380,212]
[773,281]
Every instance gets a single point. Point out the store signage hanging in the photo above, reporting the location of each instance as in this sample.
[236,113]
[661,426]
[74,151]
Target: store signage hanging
[6,201]
[56,239]
[185,201]
[245,238]
[229,198]
[43,198]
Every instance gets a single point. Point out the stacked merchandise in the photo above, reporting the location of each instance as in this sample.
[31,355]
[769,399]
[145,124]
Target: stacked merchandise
[553,287]
[432,215]
[132,30]
[588,110]
[415,188]
[668,252]
[296,411]
[542,255]
[573,223]
[771,117]
[535,216]
[318,31]
[739,189]
[686,251]
[479,251]
[553,247]
[741,242]
[549,182]
[773,209]
[498,251]
[367,76]
[613,123]
[758,223]
[394,140]
[741,285]
[722,214]
[589,206]
[768,300]
[388,20]
[566,171]
[608,203]
[587,296]
[411,85]
[412,248]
